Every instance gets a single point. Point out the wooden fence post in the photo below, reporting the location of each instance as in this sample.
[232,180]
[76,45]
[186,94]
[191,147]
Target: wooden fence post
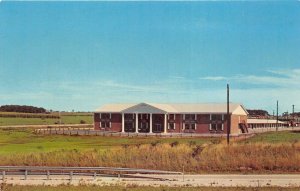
[95,175]
[48,174]
[71,176]
[3,175]
[26,173]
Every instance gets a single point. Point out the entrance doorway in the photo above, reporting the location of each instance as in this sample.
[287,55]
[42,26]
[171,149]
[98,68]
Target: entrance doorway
[144,127]
[129,126]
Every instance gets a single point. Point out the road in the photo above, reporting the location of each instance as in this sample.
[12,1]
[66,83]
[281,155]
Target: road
[224,180]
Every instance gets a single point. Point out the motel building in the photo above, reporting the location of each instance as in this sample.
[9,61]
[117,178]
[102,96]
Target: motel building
[264,123]
[171,118]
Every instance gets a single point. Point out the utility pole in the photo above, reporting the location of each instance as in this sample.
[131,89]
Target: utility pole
[228,115]
[59,118]
[277,117]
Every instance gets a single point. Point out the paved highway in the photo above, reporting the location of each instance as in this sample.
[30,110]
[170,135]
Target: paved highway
[224,180]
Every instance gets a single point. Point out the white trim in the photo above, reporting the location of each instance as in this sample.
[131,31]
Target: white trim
[165,125]
[150,131]
[210,117]
[210,127]
[222,127]
[136,122]
[109,115]
[123,122]
[222,116]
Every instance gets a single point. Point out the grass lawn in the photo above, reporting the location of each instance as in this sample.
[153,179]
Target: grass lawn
[66,119]
[24,141]
[141,188]
[276,137]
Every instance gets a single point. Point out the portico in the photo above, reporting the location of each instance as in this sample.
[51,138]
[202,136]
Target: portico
[144,118]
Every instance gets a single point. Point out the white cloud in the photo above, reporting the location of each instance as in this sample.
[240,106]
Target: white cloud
[283,85]
[284,78]
[214,78]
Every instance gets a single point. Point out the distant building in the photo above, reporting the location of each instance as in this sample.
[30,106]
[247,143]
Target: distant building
[171,118]
[264,123]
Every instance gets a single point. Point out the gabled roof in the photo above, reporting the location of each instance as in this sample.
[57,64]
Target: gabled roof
[234,108]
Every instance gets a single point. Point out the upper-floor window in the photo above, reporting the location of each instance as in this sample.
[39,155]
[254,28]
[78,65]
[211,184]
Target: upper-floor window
[171,116]
[217,117]
[129,116]
[105,116]
[144,116]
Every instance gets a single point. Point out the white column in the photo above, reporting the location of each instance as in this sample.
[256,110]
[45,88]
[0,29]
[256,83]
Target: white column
[150,123]
[136,122]
[123,123]
[165,126]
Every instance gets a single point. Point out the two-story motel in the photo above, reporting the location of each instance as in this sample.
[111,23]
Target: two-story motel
[170,118]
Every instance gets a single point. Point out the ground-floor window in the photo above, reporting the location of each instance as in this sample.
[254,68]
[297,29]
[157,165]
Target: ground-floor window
[158,127]
[216,127]
[190,126]
[105,124]
[171,126]
[129,126]
[144,127]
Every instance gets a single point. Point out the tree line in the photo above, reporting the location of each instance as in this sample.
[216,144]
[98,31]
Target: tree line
[22,109]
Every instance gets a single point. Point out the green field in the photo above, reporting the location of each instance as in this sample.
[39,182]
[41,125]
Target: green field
[25,141]
[276,137]
[65,119]
[138,188]
[269,153]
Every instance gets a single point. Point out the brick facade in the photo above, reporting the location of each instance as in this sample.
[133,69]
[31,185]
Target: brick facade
[203,123]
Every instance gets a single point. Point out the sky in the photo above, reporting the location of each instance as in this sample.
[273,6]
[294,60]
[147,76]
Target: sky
[81,55]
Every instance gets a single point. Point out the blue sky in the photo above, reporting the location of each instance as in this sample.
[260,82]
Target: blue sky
[80,55]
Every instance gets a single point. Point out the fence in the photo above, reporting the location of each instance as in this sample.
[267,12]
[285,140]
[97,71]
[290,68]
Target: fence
[89,131]
[72,171]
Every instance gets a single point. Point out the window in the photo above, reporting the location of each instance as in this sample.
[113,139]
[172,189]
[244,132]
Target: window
[216,127]
[193,126]
[144,116]
[190,117]
[171,116]
[105,119]
[143,125]
[190,121]
[171,126]
[216,117]
[105,124]
[190,126]
[129,117]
